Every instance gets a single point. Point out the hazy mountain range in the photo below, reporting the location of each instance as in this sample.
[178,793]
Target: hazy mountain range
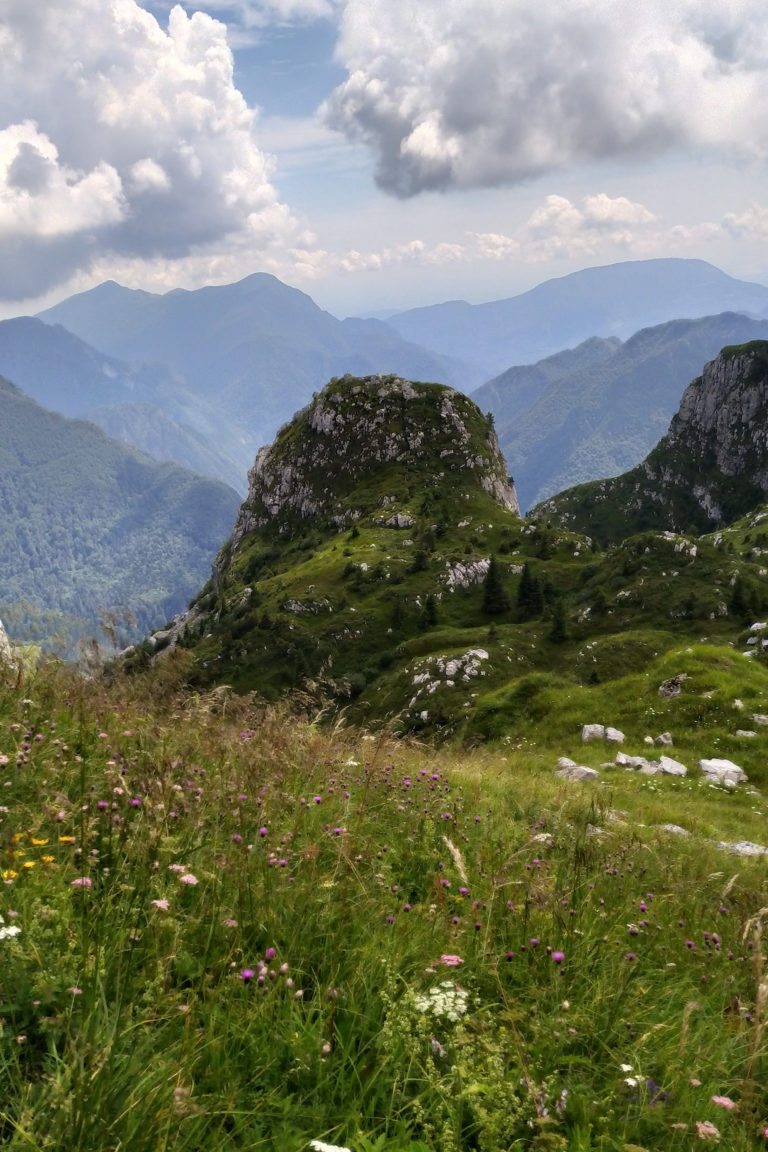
[89,524]
[598,409]
[616,300]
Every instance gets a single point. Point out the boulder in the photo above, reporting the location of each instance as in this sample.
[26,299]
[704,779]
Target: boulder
[672,767]
[566,762]
[664,740]
[674,830]
[614,736]
[723,771]
[742,847]
[593,732]
[745,732]
[634,763]
[757,718]
[577,772]
[672,687]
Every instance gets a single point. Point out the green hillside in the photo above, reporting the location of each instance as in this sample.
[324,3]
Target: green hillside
[89,525]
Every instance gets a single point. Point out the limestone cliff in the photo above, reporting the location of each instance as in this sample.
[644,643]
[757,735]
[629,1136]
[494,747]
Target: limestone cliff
[370,442]
[709,469]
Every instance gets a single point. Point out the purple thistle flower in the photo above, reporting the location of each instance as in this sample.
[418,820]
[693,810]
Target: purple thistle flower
[247,974]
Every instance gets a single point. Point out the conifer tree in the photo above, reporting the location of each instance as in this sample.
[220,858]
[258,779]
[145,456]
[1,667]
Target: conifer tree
[495,599]
[530,600]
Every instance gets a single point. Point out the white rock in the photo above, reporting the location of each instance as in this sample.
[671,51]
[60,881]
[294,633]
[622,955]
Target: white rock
[758,719]
[742,847]
[674,829]
[651,768]
[664,740]
[614,736]
[745,732]
[672,767]
[723,771]
[648,740]
[566,762]
[593,732]
[632,762]
[759,627]
[577,772]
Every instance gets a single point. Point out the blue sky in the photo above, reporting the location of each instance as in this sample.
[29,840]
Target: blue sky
[377,154]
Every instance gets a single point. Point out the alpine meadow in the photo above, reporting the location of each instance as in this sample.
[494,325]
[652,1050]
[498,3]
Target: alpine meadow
[383,576]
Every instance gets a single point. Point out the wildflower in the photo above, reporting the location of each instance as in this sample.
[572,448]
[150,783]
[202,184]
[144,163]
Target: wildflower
[188,878]
[229,922]
[9,874]
[47,859]
[247,974]
[37,843]
[82,882]
[66,839]
[450,960]
[558,957]
[270,954]
[75,991]
[723,1102]
[29,863]
[161,904]
[707,1131]
[9,932]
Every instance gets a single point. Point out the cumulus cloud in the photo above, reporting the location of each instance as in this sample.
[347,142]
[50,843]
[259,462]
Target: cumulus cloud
[119,136]
[596,227]
[472,93]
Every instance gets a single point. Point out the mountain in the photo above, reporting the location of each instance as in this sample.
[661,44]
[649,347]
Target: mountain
[615,300]
[709,469]
[145,405]
[598,409]
[257,349]
[378,565]
[89,524]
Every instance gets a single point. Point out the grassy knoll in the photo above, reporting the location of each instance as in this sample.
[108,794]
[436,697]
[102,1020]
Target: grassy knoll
[237,931]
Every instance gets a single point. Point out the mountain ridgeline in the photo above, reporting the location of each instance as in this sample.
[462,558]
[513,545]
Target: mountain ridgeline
[379,562]
[710,468]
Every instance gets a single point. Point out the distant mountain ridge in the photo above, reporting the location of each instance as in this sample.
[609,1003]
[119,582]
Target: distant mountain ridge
[146,405]
[598,409]
[88,524]
[257,349]
[614,300]
[709,469]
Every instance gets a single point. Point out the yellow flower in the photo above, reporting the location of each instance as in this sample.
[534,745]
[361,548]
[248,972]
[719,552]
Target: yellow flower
[47,859]
[9,874]
[38,843]
[29,863]
[19,855]
[17,836]
[66,839]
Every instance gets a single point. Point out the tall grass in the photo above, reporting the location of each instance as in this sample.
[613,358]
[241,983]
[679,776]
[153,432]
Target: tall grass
[240,932]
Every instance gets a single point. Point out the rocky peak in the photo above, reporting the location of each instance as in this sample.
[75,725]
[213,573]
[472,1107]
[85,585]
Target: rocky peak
[709,469]
[367,443]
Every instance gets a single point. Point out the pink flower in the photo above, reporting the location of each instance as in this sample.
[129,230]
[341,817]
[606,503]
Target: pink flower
[161,904]
[188,878]
[451,960]
[707,1131]
[82,882]
[723,1101]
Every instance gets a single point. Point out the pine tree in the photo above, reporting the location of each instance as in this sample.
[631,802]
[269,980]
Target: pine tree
[558,633]
[530,599]
[495,599]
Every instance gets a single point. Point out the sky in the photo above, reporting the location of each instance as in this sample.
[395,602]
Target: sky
[376,154]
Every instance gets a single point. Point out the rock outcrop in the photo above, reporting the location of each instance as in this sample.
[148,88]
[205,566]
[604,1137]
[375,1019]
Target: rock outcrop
[357,427]
[709,469]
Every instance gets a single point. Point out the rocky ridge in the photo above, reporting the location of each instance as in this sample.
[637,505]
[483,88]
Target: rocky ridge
[709,469]
[358,428]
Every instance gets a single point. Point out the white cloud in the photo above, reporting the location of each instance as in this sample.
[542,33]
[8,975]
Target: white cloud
[473,93]
[118,136]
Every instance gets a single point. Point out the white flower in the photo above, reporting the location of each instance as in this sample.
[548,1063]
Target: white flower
[625,1067]
[10,931]
[321,1146]
[448,1001]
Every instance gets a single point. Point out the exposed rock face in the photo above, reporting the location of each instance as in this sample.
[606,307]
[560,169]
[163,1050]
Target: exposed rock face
[710,468]
[357,427]
[7,659]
